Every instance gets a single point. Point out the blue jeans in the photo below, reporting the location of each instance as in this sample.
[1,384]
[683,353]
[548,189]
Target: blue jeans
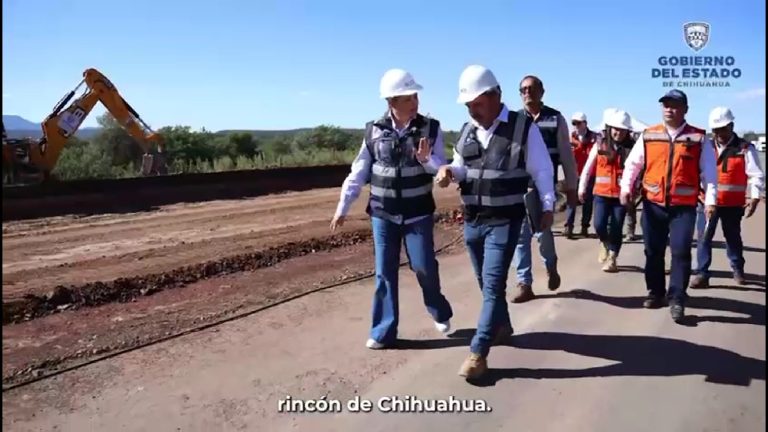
[609,220]
[677,224]
[730,217]
[491,248]
[522,259]
[586,208]
[419,246]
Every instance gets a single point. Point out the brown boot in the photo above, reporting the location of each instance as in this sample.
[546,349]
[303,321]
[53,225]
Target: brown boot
[523,293]
[503,333]
[699,281]
[474,366]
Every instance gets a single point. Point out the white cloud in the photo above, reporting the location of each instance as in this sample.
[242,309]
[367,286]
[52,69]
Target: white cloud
[754,93]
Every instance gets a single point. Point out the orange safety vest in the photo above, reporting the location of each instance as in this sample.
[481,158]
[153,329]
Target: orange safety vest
[672,167]
[608,170]
[581,148]
[732,177]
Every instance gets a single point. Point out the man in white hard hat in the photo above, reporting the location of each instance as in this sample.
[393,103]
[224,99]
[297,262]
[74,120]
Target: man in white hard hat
[400,154]
[554,130]
[496,155]
[604,166]
[739,175]
[582,141]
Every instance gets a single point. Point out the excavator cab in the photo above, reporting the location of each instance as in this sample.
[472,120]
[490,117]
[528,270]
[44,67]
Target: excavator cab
[17,165]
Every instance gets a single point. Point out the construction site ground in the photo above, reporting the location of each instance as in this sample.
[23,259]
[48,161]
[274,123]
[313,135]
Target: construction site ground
[93,285]
[586,357]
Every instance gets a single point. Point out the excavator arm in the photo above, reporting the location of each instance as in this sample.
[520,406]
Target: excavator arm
[63,123]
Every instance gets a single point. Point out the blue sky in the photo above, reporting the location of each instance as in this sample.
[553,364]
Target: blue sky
[297,63]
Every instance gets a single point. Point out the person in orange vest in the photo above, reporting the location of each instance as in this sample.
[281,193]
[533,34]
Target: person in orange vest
[675,162]
[582,141]
[605,165]
[738,174]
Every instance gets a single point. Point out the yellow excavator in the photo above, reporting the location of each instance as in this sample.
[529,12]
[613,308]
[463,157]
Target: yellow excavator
[29,161]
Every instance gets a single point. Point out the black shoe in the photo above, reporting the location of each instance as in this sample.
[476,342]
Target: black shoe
[584,232]
[653,302]
[554,280]
[677,311]
[569,233]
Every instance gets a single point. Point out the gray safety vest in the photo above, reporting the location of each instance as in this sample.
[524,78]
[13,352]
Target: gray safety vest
[496,180]
[400,187]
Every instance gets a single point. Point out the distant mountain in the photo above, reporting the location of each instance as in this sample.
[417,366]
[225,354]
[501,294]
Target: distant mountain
[14,122]
[19,127]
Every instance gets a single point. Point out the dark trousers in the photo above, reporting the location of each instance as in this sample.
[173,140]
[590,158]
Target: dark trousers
[730,218]
[586,208]
[676,223]
[491,248]
[609,218]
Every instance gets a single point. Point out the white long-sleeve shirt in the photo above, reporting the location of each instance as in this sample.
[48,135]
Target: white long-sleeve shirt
[707,166]
[360,172]
[755,175]
[586,172]
[538,164]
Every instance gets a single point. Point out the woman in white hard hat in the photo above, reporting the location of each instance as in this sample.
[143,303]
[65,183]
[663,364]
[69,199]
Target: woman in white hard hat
[496,154]
[606,160]
[400,153]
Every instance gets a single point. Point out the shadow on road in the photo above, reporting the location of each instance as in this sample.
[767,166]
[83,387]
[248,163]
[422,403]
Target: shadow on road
[635,356]
[749,278]
[719,244]
[755,312]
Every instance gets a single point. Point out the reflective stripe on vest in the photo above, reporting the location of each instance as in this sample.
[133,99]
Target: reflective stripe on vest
[496,177]
[671,172]
[732,176]
[547,122]
[400,186]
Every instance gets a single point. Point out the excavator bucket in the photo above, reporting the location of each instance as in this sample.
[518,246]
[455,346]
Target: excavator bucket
[147,164]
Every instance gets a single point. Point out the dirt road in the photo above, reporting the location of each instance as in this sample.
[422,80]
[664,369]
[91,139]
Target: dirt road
[586,358]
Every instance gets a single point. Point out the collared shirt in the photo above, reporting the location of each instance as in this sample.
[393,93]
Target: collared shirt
[707,166]
[755,175]
[361,171]
[538,164]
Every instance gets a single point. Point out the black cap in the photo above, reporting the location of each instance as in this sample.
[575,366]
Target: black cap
[676,95]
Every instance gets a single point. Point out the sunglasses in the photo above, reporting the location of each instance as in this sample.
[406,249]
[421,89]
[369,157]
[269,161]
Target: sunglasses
[526,89]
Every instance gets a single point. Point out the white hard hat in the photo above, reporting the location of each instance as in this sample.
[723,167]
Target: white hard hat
[474,81]
[579,116]
[719,117]
[620,120]
[397,82]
